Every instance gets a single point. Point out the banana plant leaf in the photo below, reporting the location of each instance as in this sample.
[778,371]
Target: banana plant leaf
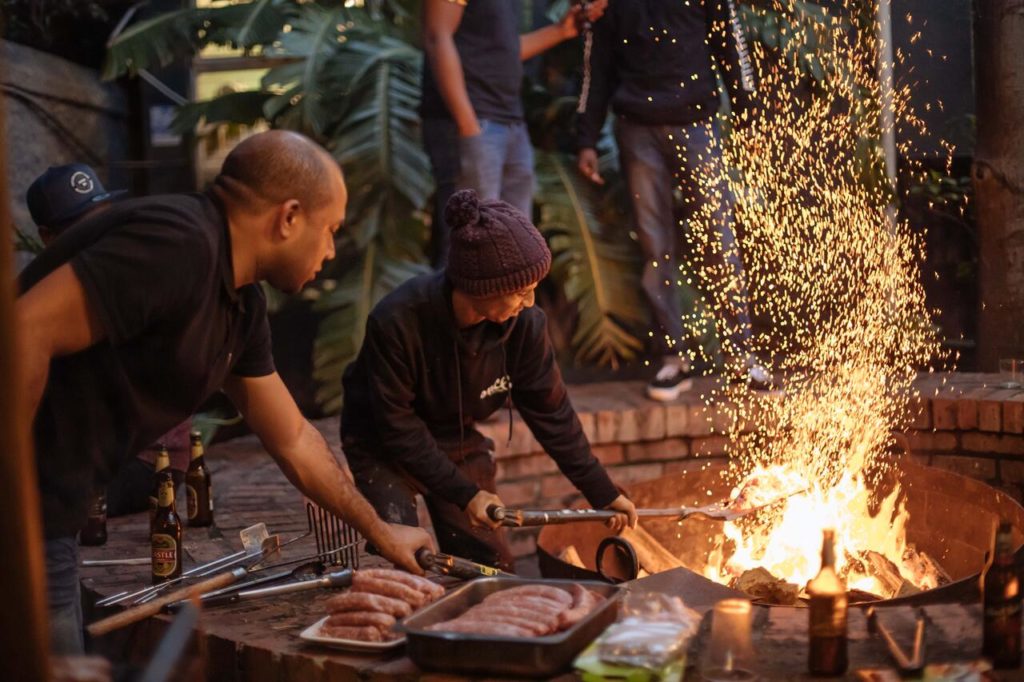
[599,275]
[161,39]
[346,307]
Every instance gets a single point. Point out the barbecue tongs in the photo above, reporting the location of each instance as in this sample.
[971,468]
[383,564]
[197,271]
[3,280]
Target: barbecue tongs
[718,511]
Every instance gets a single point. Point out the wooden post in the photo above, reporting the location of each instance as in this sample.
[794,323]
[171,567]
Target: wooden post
[999,178]
[25,642]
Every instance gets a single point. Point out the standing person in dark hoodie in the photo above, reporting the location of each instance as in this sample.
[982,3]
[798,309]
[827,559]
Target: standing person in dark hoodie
[446,350]
[655,62]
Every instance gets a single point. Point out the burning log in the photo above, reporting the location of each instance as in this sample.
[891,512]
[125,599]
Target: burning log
[762,585]
[874,565]
[925,571]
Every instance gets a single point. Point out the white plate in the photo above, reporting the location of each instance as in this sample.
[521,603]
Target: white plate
[313,634]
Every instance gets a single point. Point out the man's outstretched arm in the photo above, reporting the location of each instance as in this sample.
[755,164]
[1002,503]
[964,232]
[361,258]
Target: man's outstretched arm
[308,462]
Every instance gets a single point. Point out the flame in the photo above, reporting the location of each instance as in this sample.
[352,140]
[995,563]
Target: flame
[834,280]
[787,543]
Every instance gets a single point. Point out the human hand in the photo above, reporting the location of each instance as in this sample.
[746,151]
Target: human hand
[586,163]
[627,516]
[402,545]
[469,128]
[477,509]
[572,22]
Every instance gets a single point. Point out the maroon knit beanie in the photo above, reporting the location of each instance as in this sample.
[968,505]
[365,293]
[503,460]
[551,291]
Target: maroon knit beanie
[495,249]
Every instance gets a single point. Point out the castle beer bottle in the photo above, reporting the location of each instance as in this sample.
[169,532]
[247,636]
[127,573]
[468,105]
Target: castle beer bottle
[827,615]
[95,531]
[1001,607]
[165,539]
[198,486]
[161,472]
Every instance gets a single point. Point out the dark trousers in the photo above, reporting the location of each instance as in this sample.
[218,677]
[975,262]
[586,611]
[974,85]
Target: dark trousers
[654,159]
[64,595]
[392,492]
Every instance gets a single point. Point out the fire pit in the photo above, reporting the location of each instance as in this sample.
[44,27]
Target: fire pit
[948,517]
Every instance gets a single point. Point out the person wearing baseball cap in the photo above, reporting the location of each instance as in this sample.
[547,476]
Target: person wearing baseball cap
[451,348]
[63,195]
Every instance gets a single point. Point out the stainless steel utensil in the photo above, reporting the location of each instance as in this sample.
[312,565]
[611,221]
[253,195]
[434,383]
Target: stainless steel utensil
[342,578]
[718,511]
[252,538]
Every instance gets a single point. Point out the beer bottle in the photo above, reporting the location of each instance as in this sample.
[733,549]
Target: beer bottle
[95,531]
[161,471]
[165,539]
[827,615]
[198,486]
[1001,597]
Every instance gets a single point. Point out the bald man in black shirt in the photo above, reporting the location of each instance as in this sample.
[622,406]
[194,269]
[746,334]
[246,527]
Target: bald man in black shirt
[133,318]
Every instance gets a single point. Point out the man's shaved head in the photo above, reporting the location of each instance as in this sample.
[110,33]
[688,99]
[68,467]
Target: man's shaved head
[275,166]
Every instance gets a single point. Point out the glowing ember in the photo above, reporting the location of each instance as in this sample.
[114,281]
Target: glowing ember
[835,279]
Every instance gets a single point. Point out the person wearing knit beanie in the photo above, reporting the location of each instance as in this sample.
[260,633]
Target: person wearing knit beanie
[446,350]
[495,260]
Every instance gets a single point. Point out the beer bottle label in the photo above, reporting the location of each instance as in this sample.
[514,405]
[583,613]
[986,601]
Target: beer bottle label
[193,501]
[167,494]
[165,555]
[828,616]
[99,507]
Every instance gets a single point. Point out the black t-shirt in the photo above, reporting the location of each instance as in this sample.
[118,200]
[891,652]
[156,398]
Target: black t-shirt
[487,40]
[158,274]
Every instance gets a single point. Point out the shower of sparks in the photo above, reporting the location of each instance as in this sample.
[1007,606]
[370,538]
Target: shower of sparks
[834,285]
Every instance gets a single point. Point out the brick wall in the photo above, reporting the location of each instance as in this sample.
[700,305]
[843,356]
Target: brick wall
[962,422]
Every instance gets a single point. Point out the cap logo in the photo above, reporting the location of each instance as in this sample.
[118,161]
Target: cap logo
[81,182]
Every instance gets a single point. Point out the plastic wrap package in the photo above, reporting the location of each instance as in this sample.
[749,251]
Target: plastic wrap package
[648,642]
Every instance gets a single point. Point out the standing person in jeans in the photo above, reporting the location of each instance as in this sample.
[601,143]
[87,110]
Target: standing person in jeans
[473,128]
[655,62]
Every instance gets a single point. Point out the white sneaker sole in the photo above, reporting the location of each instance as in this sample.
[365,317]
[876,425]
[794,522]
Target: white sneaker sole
[665,395]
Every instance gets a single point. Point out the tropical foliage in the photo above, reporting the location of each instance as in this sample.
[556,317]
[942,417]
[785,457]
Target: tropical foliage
[348,76]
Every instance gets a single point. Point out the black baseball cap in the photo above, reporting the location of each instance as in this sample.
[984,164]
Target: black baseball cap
[65,192]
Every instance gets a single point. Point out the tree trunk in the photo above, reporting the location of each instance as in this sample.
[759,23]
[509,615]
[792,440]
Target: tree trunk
[999,178]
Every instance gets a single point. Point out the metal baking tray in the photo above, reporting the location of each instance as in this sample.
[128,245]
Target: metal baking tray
[495,655]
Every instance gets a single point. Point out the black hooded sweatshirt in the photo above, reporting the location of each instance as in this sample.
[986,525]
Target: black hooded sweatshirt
[655,61]
[419,385]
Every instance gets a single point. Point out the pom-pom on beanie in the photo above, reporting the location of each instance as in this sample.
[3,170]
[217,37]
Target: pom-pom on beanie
[495,249]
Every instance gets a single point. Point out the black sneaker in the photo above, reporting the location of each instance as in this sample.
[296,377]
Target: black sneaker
[672,379]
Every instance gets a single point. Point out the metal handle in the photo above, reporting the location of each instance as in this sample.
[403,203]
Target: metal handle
[336,579]
[457,567]
[623,547]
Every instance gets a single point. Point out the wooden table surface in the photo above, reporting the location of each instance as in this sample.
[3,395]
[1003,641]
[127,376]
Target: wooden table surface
[258,640]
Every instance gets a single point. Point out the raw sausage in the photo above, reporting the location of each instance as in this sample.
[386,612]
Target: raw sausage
[388,588]
[427,587]
[545,591]
[473,626]
[583,603]
[364,601]
[363,633]
[381,621]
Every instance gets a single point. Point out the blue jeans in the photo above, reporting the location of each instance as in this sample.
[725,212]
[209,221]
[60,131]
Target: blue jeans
[497,163]
[64,595]
[655,160]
